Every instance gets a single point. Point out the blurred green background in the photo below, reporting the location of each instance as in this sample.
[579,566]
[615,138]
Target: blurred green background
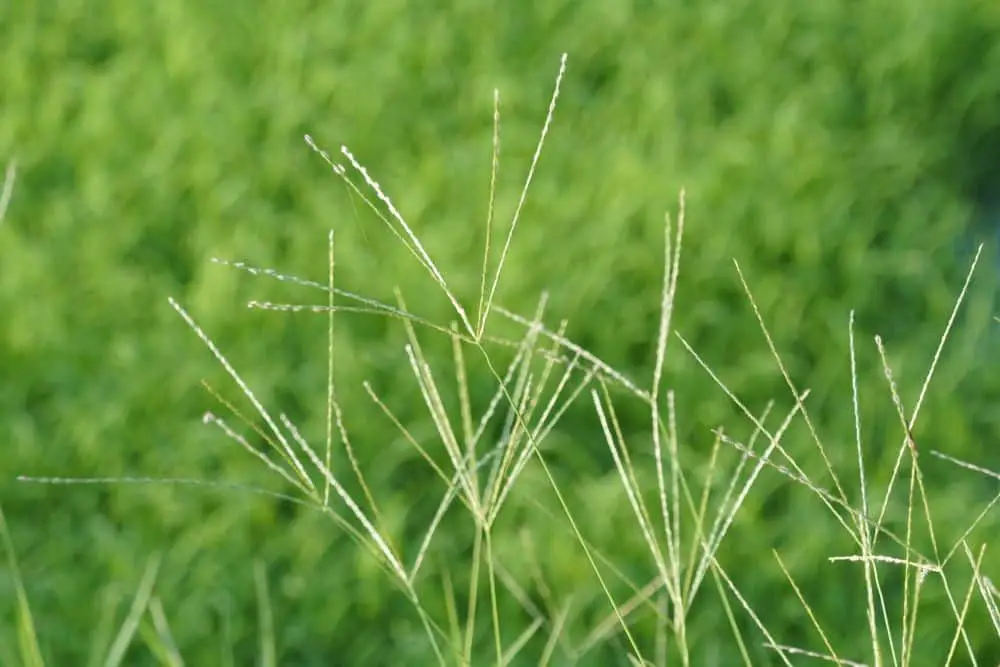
[846,154]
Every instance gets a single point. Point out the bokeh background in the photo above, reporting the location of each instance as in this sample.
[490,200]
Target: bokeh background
[846,154]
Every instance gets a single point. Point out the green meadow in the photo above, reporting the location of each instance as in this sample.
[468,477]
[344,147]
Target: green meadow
[683,349]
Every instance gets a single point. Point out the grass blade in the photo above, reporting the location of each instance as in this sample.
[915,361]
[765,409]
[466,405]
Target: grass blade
[27,638]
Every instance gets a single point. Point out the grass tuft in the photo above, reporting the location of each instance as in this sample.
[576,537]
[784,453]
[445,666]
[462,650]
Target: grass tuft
[492,609]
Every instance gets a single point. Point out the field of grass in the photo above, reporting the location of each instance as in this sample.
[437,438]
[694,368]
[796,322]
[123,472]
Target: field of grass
[578,456]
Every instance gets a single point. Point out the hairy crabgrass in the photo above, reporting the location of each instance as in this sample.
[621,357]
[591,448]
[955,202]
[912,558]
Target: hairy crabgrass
[681,526]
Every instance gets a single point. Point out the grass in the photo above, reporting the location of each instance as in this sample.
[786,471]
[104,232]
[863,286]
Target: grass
[838,153]
[895,552]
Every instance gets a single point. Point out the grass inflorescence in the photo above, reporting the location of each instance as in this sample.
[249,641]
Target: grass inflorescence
[482,451]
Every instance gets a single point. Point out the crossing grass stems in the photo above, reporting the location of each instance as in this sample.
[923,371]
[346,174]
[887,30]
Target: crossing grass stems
[547,374]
